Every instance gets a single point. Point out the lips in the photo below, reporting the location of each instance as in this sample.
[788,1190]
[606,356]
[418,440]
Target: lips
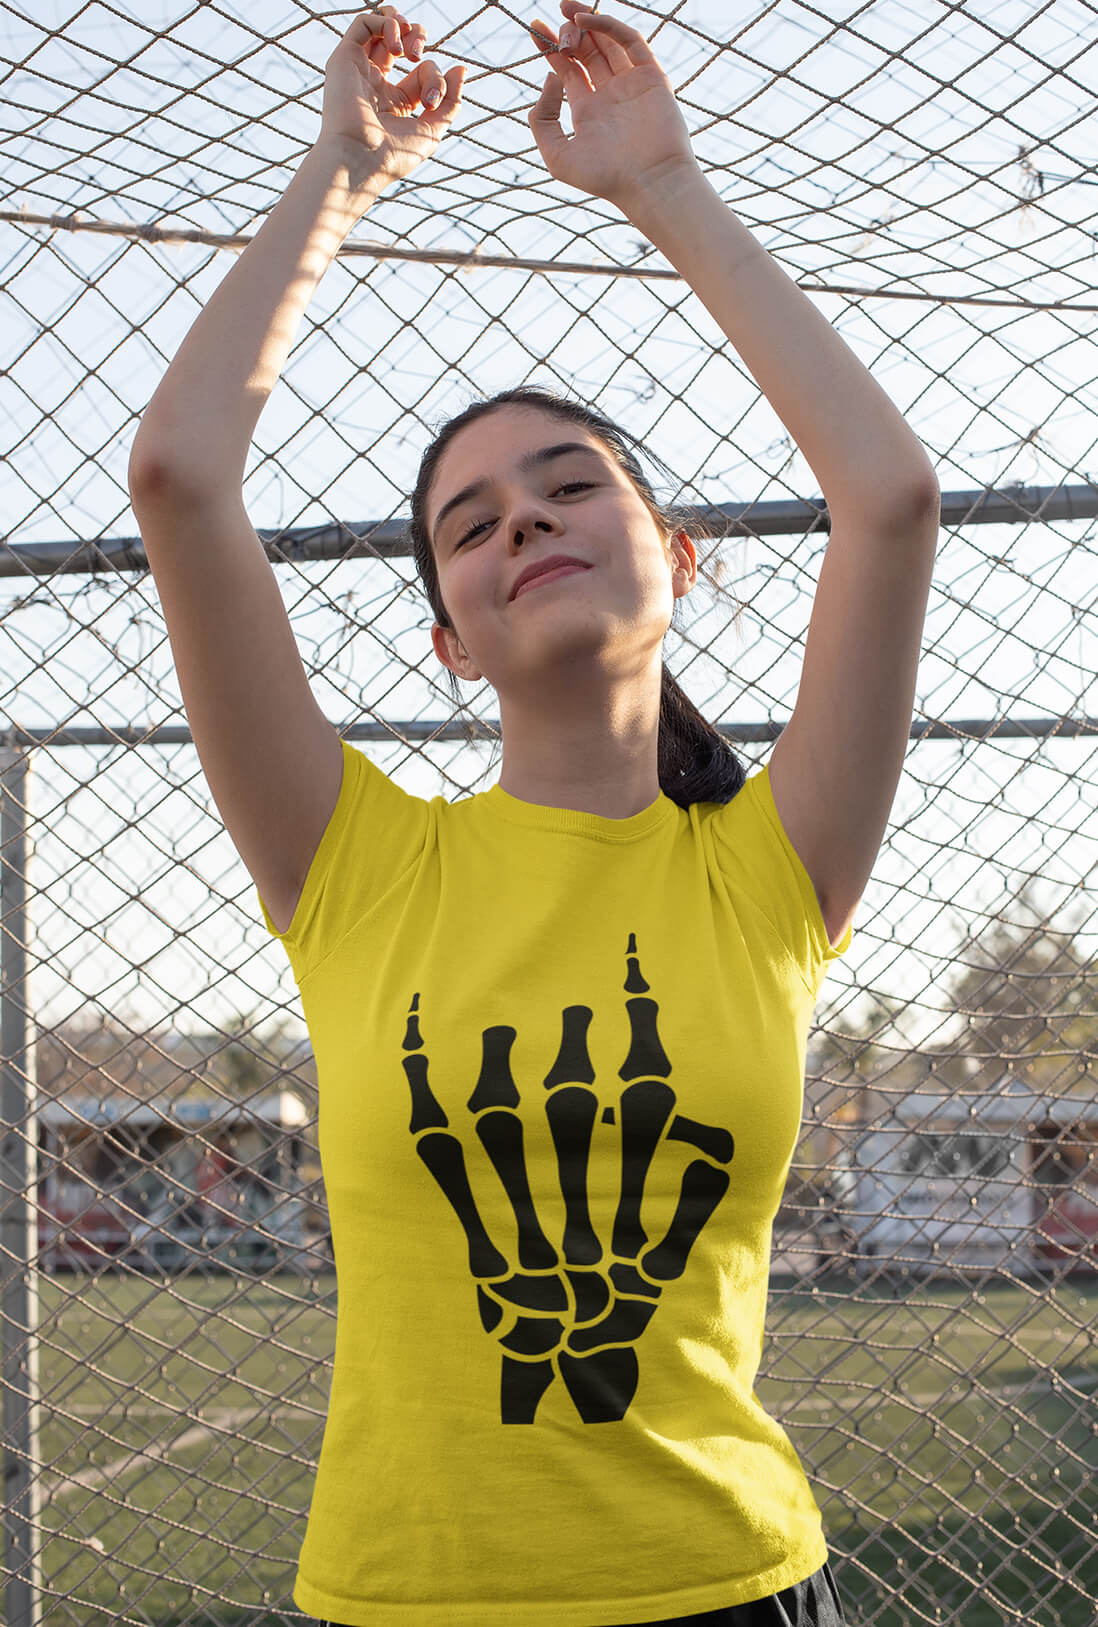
[544,567]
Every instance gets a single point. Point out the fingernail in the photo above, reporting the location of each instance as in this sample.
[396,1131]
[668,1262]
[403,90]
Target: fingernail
[569,39]
[432,99]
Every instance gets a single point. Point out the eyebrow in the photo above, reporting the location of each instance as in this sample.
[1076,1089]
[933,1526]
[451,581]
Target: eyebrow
[530,460]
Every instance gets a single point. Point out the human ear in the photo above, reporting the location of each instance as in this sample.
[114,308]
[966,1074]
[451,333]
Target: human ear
[453,654]
[685,559]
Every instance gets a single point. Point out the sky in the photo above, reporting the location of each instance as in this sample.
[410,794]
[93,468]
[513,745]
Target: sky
[927,156]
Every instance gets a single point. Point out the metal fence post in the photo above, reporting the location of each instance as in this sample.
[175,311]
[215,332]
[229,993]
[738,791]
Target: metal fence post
[18,1215]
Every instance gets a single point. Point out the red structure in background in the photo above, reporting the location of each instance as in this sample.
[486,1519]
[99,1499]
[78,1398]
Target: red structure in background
[161,1186]
[1065,1170]
[1002,1179]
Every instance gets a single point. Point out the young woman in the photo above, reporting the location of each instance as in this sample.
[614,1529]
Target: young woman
[560,1026]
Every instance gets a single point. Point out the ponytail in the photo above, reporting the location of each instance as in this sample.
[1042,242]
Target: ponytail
[695,761]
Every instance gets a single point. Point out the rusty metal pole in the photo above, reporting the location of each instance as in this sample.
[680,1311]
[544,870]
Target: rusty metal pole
[19,1309]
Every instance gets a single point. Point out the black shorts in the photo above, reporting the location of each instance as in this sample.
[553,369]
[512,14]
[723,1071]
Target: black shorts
[811,1603]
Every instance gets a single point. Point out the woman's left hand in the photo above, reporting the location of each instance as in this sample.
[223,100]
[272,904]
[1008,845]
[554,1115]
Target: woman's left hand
[630,136]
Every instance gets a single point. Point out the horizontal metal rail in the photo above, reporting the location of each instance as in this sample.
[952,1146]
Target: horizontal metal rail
[1012,505]
[470,729]
[1008,505]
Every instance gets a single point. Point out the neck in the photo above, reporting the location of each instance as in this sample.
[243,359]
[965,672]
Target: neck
[596,754]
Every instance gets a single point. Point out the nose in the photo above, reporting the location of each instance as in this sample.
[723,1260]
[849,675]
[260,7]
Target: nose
[529,515]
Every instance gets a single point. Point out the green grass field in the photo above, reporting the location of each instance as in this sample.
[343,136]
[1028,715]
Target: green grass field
[950,1438]
[952,1443]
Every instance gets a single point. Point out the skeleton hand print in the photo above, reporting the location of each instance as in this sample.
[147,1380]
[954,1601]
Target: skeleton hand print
[574,1306]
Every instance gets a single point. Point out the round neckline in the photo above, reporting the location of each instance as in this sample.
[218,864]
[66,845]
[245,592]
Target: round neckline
[576,821]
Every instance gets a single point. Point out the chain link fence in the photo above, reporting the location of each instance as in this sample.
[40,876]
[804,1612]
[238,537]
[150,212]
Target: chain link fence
[168,1314]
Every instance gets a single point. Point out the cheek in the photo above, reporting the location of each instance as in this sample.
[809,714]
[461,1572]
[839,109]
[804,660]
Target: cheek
[469,589]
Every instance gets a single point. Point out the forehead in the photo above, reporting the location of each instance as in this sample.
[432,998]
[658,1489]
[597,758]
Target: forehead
[499,438]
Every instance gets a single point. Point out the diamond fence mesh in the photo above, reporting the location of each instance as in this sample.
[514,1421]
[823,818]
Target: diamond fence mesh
[926,173]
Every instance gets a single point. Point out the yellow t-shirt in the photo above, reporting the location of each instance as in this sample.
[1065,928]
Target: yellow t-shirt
[561,1063]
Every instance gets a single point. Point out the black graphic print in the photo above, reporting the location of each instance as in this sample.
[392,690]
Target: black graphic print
[569,1310]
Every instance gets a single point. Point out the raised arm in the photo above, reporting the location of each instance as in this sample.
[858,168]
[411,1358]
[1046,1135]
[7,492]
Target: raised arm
[199,424]
[272,761]
[835,769]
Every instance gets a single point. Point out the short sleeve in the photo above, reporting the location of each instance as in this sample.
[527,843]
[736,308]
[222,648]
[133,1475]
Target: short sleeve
[757,856]
[375,832]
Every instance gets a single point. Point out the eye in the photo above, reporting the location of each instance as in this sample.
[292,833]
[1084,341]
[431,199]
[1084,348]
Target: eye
[471,533]
[482,525]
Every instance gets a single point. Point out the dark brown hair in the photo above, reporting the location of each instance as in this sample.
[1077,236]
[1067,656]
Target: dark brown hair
[695,761]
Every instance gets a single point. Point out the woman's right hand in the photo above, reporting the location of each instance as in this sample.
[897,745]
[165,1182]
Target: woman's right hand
[362,108]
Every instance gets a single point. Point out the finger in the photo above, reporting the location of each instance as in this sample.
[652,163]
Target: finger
[367,32]
[563,63]
[387,30]
[631,40]
[451,101]
[362,28]
[544,119]
[449,85]
[573,75]
[416,87]
[543,36]
[402,37]
[596,58]
[392,28]
[587,51]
